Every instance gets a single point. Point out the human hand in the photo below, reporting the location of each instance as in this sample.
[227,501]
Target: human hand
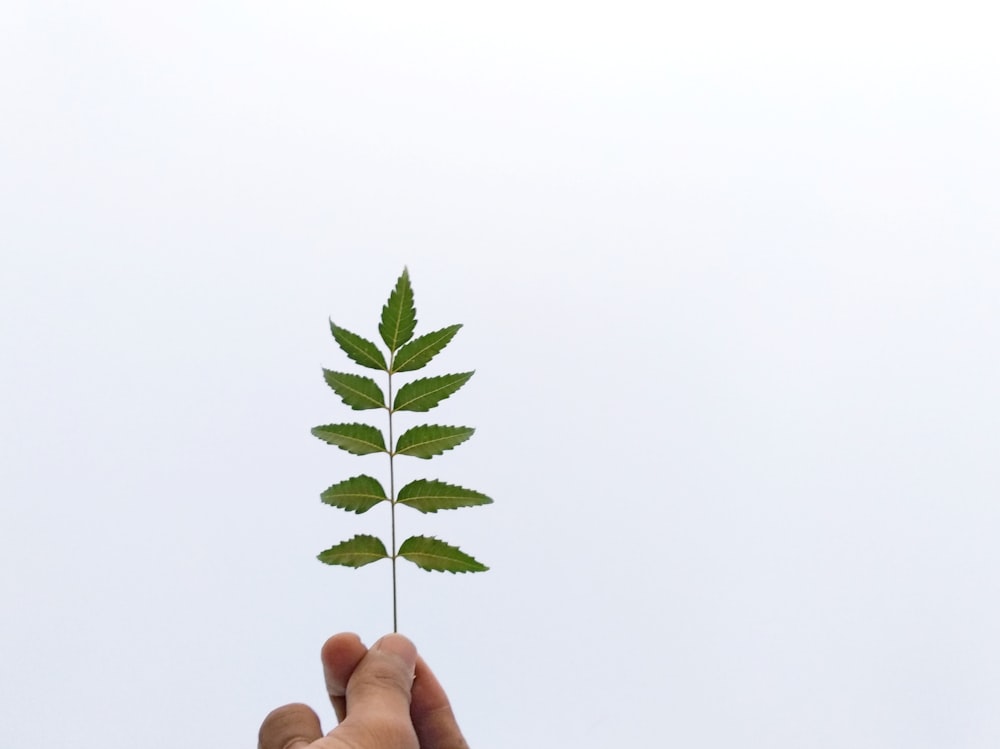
[385,698]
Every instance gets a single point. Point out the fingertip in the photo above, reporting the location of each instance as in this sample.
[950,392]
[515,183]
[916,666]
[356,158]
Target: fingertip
[289,727]
[399,646]
[335,646]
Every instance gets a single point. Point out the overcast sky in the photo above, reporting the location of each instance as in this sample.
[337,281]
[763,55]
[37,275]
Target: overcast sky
[728,275]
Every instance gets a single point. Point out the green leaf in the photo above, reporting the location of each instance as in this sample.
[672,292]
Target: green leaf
[360,393]
[399,317]
[429,553]
[357,494]
[359,349]
[428,495]
[355,552]
[427,392]
[359,439]
[418,352]
[430,439]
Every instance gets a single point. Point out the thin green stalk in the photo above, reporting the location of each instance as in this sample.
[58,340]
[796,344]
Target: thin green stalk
[392,494]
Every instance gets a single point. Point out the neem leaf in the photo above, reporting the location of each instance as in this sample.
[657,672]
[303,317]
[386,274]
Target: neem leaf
[359,349]
[357,494]
[429,553]
[355,552]
[361,493]
[399,317]
[431,439]
[359,439]
[419,351]
[360,393]
[427,392]
[427,495]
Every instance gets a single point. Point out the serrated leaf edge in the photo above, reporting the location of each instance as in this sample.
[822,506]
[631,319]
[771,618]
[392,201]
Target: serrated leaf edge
[402,286]
[379,448]
[445,386]
[378,360]
[471,431]
[470,558]
[327,373]
[411,501]
[396,367]
[360,536]
[357,511]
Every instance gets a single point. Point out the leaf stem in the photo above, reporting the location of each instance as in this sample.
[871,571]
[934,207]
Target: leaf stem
[392,492]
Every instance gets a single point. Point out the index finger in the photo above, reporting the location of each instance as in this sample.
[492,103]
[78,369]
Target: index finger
[341,655]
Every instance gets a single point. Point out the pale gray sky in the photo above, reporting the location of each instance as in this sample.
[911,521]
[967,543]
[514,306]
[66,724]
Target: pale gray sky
[728,275]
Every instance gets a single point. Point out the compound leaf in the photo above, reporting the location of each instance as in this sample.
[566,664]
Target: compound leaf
[428,495]
[429,440]
[357,494]
[360,393]
[427,392]
[399,317]
[359,349]
[418,352]
[361,493]
[430,553]
[355,552]
[359,439]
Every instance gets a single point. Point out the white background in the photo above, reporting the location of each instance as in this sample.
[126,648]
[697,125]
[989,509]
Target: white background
[728,274]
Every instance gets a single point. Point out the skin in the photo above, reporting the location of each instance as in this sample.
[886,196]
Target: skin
[385,698]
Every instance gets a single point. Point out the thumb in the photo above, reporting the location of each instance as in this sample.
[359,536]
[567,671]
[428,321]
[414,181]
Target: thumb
[378,697]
